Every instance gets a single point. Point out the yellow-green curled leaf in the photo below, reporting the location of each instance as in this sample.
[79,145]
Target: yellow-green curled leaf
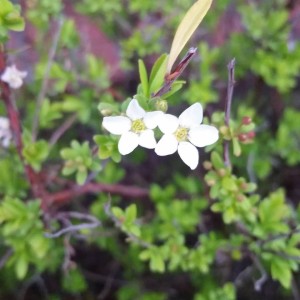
[186,28]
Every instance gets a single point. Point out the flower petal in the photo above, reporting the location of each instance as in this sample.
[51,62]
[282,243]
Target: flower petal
[152,118]
[189,154]
[167,145]
[191,116]
[116,125]
[203,135]
[168,123]
[13,77]
[128,142]
[147,140]
[134,110]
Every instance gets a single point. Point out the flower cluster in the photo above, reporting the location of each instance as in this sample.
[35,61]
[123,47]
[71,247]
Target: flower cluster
[13,77]
[181,134]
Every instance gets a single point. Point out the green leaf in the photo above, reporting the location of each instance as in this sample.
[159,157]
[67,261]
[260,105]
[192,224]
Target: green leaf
[237,150]
[144,78]
[81,176]
[281,271]
[118,212]
[186,28]
[217,161]
[130,213]
[229,183]
[157,263]
[158,73]
[74,281]
[21,267]
[176,86]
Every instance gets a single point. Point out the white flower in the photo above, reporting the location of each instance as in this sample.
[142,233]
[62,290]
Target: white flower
[5,132]
[184,133]
[13,77]
[136,128]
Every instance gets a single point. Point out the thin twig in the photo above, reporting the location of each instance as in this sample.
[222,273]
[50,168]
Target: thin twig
[5,257]
[279,236]
[117,189]
[62,129]
[69,252]
[35,279]
[230,88]
[243,274]
[43,91]
[170,78]
[264,275]
[93,223]
[109,282]
[295,289]
[15,124]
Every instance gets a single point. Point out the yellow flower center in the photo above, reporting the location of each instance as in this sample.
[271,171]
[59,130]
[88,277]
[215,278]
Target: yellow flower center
[181,134]
[138,126]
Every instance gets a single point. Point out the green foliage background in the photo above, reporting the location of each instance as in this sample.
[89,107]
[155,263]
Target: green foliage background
[161,231]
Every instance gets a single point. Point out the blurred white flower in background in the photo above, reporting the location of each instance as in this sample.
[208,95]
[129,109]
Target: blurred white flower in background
[5,132]
[13,77]
[184,133]
[136,128]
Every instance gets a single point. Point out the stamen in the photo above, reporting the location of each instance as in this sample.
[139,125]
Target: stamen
[181,134]
[138,126]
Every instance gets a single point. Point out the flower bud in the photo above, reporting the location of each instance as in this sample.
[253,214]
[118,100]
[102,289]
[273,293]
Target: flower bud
[246,120]
[161,105]
[222,172]
[240,197]
[211,182]
[105,112]
[207,165]
[243,137]
[251,135]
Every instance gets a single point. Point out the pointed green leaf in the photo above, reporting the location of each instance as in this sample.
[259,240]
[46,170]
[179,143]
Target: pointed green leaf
[186,28]
[237,150]
[144,78]
[281,271]
[158,73]
[176,86]
[21,267]
[130,213]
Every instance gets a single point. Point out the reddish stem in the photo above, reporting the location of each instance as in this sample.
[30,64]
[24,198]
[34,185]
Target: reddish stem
[15,125]
[63,197]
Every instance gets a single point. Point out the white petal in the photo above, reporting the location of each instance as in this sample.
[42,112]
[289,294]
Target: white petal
[15,82]
[4,123]
[128,142]
[189,154]
[134,110]
[152,118]
[116,125]
[13,76]
[203,135]
[192,116]
[147,140]
[168,123]
[167,145]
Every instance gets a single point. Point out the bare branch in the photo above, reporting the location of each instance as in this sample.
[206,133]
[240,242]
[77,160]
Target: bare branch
[230,88]
[118,189]
[93,223]
[264,275]
[62,129]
